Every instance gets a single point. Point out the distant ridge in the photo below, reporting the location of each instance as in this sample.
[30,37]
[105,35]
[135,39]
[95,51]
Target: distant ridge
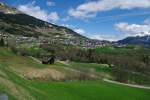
[137,40]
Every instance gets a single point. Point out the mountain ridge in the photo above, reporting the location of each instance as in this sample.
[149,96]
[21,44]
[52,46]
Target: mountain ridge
[15,22]
[137,40]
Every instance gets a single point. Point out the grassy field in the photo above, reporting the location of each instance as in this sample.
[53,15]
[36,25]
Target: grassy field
[97,67]
[113,50]
[13,82]
[97,90]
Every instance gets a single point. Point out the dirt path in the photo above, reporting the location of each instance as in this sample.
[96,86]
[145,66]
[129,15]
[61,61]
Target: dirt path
[131,85]
[73,70]
[35,59]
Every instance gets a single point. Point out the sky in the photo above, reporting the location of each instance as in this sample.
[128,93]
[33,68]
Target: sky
[97,19]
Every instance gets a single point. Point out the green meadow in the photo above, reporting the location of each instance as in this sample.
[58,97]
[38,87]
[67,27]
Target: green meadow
[17,86]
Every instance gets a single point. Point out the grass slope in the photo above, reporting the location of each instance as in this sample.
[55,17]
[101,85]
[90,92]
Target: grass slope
[19,88]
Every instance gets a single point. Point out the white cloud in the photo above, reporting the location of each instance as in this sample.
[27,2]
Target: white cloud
[91,8]
[104,37]
[147,21]
[68,25]
[133,29]
[80,14]
[50,3]
[53,16]
[80,31]
[36,11]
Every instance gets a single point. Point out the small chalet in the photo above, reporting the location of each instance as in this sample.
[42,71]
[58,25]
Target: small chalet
[48,60]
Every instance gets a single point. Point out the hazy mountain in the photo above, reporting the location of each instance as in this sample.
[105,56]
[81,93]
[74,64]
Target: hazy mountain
[138,40]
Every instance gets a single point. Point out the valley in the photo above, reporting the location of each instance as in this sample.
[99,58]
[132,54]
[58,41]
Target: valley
[19,80]
[42,60]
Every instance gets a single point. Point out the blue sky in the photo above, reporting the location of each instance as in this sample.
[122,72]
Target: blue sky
[98,19]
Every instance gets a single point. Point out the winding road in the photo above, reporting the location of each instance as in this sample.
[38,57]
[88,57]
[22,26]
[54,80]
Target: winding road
[130,85]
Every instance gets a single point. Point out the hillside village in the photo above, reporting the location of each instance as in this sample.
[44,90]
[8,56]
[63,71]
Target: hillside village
[40,60]
[19,39]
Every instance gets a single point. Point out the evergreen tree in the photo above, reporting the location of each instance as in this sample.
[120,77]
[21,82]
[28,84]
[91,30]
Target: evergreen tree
[2,42]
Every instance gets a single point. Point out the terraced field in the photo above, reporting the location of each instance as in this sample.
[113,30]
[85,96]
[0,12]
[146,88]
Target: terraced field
[22,78]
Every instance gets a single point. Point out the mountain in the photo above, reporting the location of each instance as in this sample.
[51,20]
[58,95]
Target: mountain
[8,10]
[15,22]
[138,40]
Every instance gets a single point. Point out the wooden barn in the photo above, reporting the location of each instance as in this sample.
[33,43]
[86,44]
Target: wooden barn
[48,60]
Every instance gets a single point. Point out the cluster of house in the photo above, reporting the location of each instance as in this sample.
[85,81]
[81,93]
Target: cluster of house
[87,43]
